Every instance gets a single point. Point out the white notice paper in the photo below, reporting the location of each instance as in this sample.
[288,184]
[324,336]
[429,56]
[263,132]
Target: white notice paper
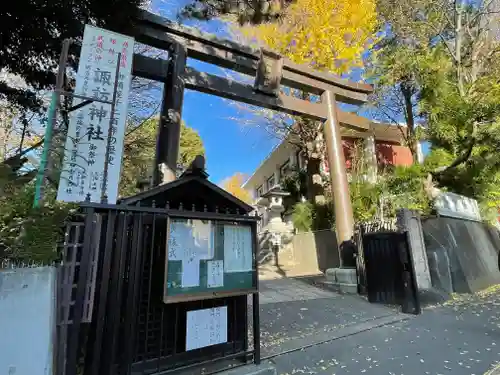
[215,274]
[237,249]
[190,274]
[206,327]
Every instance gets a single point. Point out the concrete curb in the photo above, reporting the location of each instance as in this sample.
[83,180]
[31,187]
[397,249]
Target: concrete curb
[495,370]
[262,369]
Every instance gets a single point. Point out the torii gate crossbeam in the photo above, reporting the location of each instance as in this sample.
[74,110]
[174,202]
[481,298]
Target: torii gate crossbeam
[271,71]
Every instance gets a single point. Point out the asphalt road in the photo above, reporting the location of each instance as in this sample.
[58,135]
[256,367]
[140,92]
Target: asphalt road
[459,338]
[295,314]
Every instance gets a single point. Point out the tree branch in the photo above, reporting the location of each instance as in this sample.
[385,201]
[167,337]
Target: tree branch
[464,157]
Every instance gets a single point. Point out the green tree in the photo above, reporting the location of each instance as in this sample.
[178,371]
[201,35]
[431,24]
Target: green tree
[31,35]
[447,53]
[32,31]
[191,145]
[139,153]
[243,11]
[27,233]
[31,234]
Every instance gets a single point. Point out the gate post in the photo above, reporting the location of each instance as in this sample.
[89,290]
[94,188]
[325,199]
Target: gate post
[343,278]
[169,132]
[409,221]
[344,220]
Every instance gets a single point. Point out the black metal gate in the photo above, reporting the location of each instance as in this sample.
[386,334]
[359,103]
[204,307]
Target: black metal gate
[385,269]
[131,330]
[360,261]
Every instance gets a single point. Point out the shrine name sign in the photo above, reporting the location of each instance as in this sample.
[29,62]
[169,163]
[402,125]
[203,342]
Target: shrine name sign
[104,73]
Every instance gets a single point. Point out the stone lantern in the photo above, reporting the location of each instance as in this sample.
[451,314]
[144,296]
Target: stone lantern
[273,201]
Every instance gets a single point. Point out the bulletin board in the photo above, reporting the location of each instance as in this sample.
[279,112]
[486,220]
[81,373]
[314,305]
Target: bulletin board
[208,259]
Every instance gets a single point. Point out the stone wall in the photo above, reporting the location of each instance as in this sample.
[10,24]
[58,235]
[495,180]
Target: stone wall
[309,253]
[462,254]
[316,250]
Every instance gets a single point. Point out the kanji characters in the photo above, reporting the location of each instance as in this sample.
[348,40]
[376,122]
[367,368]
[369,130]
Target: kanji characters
[100,94]
[94,133]
[102,76]
[98,113]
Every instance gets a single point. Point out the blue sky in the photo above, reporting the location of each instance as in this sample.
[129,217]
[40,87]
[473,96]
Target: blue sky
[230,146]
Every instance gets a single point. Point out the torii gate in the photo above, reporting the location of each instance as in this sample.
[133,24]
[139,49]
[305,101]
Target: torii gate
[271,71]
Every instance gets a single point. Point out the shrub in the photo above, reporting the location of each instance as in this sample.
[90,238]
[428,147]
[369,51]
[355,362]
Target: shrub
[27,233]
[303,216]
[404,188]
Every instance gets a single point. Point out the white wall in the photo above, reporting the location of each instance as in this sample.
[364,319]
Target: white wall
[27,318]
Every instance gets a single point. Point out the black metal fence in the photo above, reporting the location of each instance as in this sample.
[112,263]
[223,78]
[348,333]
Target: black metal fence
[385,267]
[111,315]
[360,231]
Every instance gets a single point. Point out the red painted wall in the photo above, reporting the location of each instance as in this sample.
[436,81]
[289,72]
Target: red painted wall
[347,145]
[392,154]
[387,153]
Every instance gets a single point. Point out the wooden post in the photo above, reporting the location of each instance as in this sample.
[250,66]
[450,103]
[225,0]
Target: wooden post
[344,221]
[169,132]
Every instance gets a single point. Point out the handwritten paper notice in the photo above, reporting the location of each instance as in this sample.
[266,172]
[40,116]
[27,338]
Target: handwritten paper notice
[215,274]
[190,274]
[237,249]
[206,327]
[190,239]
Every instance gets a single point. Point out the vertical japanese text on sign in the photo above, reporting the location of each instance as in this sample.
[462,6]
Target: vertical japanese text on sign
[85,149]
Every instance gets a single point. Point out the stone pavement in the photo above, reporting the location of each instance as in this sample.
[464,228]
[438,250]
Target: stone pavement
[295,314]
[459,338]
[288,289]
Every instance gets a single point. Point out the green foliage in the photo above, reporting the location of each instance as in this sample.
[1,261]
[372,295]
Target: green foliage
[396,187]
[323,215]
[139,153]
[364,194]
[307,216]
[243,11]
[32,32]
[365,199]
[138,156]
[191,146]
[447,53]
[303,216]
[437,158]
[27,233]
[295,183]
[399,187]
[404,188]
[490,203]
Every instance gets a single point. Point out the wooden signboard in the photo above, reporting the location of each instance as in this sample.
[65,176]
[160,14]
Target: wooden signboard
[209,259]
